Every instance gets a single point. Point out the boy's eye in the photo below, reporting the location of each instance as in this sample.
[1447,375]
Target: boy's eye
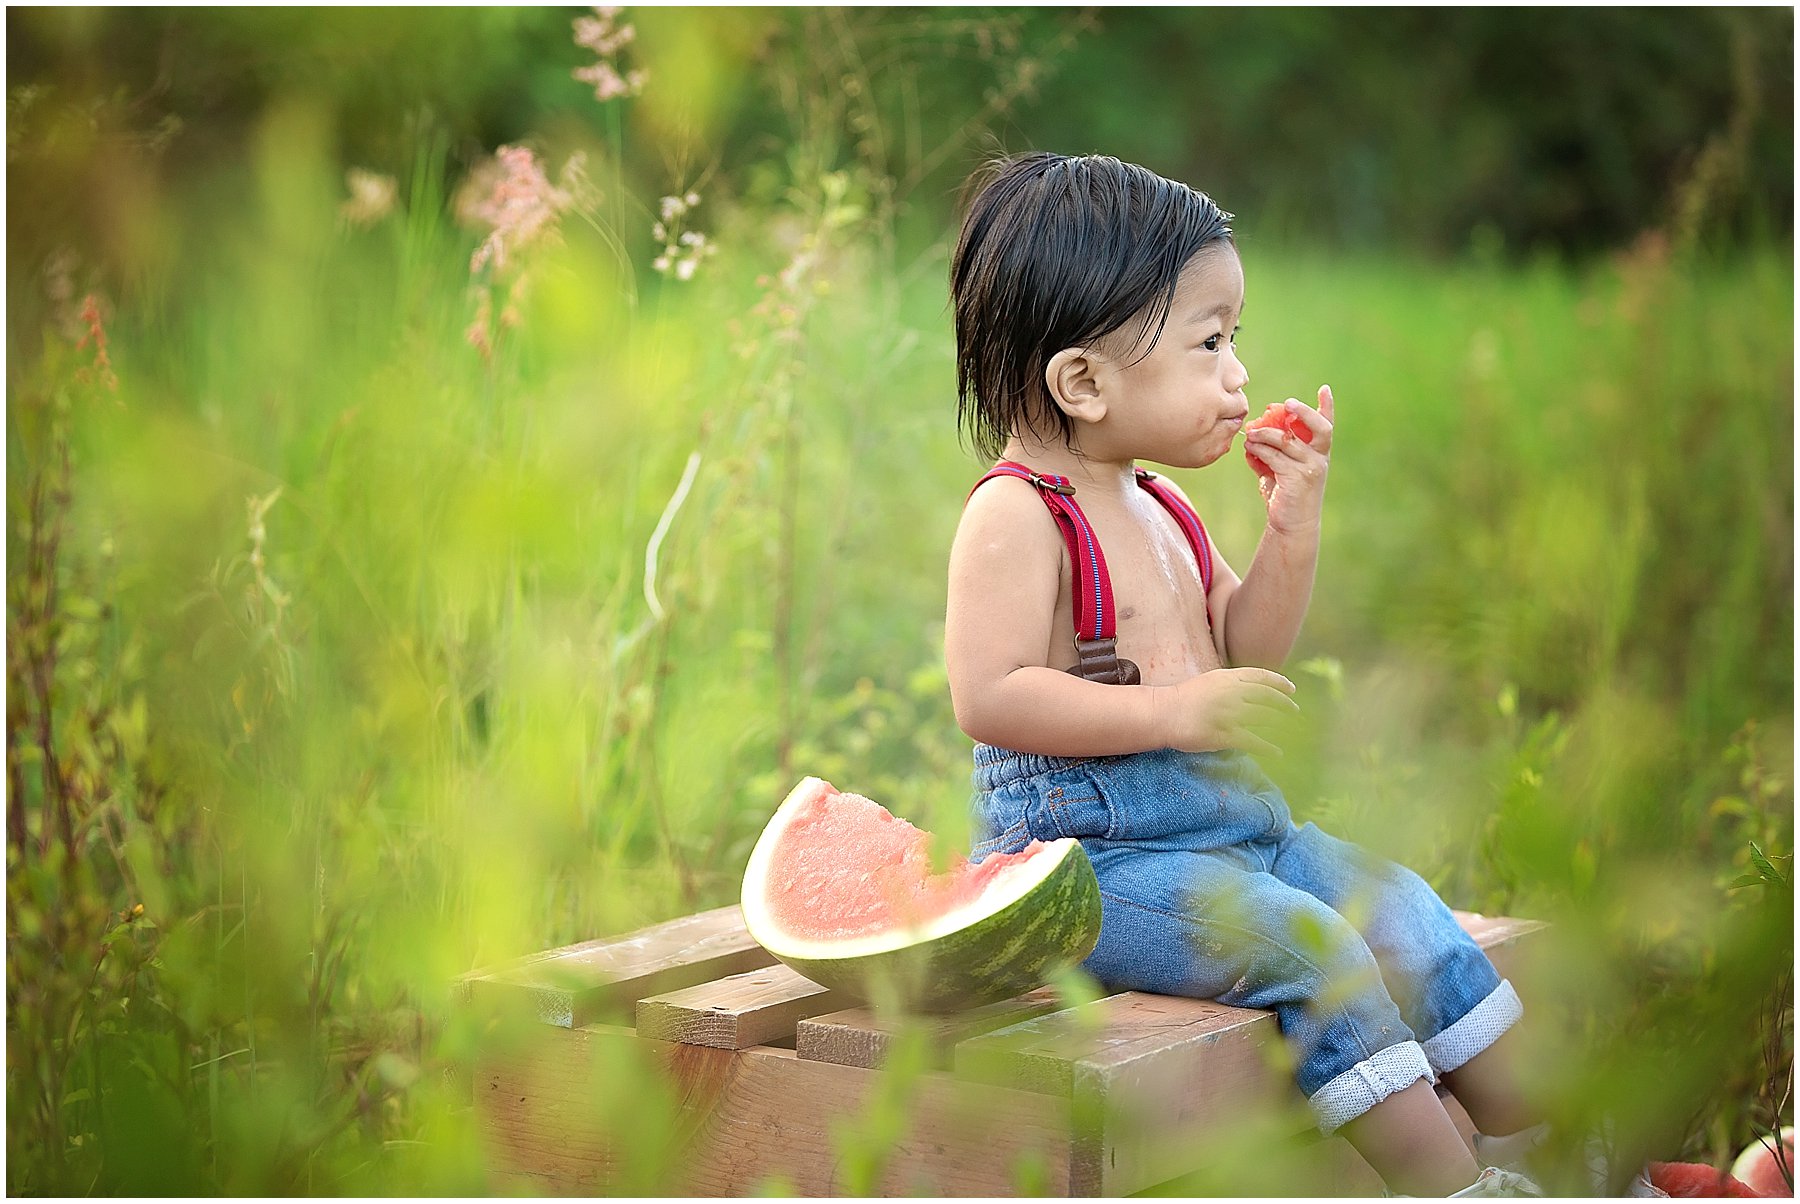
[1212,344]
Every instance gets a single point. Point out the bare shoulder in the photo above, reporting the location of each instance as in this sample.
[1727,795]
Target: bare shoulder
[1005,575]
[1225,579]
[1173,486]
[1007,512]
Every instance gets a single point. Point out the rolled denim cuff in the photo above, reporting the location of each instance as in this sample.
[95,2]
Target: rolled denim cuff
[1368,1083]
[1477,1030]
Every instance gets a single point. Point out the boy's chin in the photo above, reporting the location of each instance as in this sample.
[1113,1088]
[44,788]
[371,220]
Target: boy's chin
[1195,460]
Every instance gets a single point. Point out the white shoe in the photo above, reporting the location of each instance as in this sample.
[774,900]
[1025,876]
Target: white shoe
[1497,1182]
[1493,1182]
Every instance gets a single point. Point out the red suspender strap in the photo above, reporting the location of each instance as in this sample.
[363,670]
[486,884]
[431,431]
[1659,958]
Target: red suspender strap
[1093,591]
[1187,520]
[1095,625]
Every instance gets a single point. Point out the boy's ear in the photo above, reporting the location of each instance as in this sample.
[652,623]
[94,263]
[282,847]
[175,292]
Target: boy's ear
[1073,378]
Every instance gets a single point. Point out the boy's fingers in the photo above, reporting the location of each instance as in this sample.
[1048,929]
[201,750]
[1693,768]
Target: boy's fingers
[1267,698]
[1282,444]
[1317,421]
[1275,700]
[1251,675]
[1294,453]
[1325,402]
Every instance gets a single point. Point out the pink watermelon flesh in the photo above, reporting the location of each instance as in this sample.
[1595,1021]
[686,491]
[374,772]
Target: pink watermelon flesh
[848,868]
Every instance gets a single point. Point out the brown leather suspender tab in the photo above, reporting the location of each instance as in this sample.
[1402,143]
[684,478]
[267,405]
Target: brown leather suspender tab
[1099,660]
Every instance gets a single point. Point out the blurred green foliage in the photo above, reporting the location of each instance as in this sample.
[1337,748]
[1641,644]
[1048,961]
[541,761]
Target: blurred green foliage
[1556,129]
[360,655]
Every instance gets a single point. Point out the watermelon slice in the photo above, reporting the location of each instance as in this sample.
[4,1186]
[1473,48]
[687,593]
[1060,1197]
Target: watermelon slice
[1276,417]
[842,891]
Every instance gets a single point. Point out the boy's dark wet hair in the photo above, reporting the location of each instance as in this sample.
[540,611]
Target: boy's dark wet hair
[1057,251]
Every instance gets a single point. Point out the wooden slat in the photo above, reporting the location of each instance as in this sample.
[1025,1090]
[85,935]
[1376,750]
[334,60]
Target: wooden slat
[564,1115]
[738,1011]
[1039,1053]
[860,1036]
[605,978]
[1149,1095]
[1147,1072]
[1500,938]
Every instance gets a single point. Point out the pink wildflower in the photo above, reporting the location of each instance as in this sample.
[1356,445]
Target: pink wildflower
[511,315]
[600,34]
[477,333]
[522,207]
[96,334]
[608,84]
[512,199]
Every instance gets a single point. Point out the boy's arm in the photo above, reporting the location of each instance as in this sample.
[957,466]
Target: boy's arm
[1005,578]
[1257,620]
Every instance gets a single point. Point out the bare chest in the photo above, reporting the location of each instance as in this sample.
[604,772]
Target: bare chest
[1159,602]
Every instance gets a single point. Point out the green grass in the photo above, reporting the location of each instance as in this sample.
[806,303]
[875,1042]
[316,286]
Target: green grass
[422,717]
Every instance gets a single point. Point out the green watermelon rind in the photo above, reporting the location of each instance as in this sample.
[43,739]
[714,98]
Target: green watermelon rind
[1010,949]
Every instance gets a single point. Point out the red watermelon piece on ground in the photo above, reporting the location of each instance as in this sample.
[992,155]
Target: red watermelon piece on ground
[1693,1180]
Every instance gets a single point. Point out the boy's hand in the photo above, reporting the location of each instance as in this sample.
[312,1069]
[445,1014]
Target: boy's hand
[1217,709]
[1295,495]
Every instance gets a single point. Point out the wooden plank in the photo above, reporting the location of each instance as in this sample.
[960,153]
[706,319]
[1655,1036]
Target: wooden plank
[861,1036]
[737,1011]
[598,1110]
[1501,938]
[1147,1097]
[1041,1054]
[580,983]
[1146,1073]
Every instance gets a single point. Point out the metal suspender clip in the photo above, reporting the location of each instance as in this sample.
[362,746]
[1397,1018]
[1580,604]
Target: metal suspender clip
[1050,486]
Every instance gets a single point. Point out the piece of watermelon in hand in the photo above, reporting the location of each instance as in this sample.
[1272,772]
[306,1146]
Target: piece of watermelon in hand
[1276,417]
[844,892]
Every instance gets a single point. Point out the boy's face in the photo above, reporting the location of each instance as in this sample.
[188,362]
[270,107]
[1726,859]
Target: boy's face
[1183,404]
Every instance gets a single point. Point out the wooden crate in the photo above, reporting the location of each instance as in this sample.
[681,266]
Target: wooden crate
[778,1083]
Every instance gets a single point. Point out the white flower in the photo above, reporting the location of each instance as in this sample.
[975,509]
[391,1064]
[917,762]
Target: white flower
[371,197]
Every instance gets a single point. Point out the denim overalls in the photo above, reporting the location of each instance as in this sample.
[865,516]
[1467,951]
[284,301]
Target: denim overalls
[1209,889]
